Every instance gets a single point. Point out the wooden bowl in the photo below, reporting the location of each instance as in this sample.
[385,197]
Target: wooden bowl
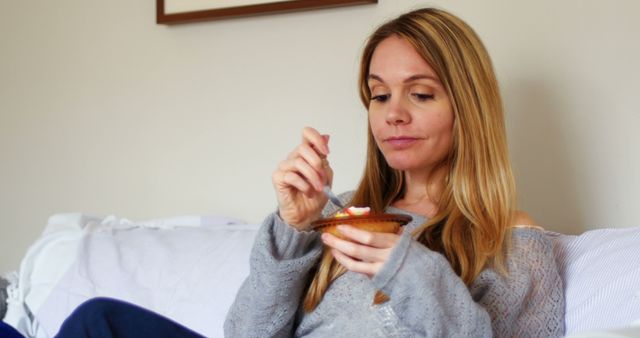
[388,223]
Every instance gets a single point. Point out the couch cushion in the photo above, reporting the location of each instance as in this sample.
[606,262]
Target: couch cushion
[601,274]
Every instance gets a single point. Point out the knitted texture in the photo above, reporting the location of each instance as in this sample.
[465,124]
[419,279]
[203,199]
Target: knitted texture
[427,299]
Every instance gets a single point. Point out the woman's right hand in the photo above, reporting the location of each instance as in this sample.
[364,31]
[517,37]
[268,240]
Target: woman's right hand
[299,180]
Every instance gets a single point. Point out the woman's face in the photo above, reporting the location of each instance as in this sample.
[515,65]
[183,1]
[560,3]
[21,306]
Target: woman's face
[410,113]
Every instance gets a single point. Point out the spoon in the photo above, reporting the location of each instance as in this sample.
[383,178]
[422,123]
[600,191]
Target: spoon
[332,197]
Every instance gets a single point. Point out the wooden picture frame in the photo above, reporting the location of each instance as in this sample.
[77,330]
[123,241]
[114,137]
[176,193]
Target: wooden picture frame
[208,10]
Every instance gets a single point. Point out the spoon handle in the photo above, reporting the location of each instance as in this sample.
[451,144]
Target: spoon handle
[332,197]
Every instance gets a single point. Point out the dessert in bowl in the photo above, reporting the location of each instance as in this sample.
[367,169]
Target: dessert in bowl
[363,219]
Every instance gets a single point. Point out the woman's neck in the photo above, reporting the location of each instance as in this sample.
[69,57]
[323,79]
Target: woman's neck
[422,192]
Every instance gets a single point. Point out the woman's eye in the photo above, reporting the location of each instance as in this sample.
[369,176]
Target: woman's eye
[422,97]
[380,98]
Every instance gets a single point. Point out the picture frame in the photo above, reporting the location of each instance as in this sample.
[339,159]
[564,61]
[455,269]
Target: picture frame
[181,11]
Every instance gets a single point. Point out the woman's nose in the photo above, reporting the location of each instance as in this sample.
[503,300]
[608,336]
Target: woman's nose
[398,112]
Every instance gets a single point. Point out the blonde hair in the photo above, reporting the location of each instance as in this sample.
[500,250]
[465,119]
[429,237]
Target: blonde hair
[476,207]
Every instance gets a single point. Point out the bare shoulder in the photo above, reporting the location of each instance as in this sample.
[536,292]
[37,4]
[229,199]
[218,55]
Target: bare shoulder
[523,220]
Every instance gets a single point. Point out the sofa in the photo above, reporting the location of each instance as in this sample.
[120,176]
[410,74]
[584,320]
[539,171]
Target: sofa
[189,268]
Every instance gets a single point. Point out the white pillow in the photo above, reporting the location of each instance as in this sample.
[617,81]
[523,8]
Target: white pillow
[627,332]
[186,268]
[601,274]
[42,267]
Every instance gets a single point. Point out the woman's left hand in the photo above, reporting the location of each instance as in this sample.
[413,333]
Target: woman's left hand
[365,252]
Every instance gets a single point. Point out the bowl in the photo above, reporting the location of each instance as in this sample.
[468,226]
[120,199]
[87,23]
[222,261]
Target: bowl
[387,223]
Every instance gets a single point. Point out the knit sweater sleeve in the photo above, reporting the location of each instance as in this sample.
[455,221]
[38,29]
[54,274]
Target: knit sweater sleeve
[428,299]
[267,301]
[529,301]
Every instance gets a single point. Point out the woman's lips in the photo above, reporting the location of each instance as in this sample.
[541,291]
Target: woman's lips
[401,142]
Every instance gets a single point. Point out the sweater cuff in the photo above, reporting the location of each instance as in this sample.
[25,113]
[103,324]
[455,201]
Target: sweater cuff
[281,249]
[289,242]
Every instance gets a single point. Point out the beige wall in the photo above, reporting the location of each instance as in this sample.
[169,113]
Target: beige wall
[102,111]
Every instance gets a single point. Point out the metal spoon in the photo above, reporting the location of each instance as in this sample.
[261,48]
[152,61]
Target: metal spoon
[332,197]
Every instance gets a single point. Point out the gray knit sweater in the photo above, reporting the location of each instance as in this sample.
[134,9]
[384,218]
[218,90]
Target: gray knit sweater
[427,298]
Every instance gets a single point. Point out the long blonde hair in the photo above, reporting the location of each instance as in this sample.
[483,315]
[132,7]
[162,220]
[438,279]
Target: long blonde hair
[476,207]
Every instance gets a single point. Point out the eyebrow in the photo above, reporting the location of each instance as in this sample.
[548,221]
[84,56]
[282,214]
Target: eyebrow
[409,79]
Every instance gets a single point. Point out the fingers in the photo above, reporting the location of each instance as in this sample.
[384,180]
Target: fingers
[292,179]
[368,238]
[369,269]
[364,252]
[355,250]
[307,163]
[299,179]
[319,142]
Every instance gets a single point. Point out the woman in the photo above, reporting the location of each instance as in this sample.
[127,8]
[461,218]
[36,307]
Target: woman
[467,265]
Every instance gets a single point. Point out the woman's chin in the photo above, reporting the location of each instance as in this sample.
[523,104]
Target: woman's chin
[403,164]
[423,160]
[406,163]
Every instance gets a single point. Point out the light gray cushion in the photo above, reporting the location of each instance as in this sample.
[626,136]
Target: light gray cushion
[3,297]
[600,269]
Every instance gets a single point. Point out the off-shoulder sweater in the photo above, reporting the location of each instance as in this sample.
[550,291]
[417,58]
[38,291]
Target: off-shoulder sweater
[427,298]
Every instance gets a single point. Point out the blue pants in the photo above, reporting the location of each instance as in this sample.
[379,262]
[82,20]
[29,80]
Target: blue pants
[107,318]
[7,331]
